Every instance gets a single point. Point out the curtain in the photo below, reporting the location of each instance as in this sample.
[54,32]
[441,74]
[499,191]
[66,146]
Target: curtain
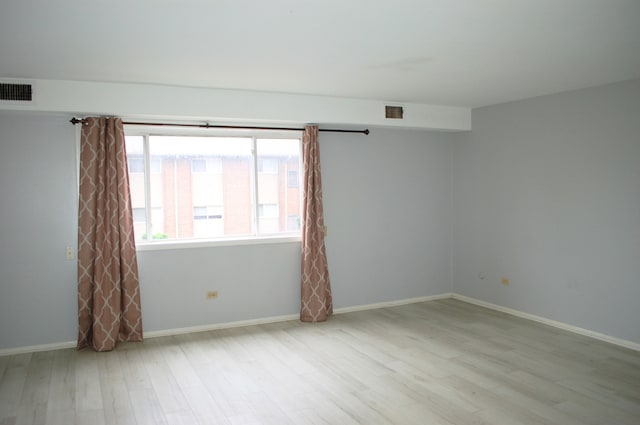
[108,291]
[316,301]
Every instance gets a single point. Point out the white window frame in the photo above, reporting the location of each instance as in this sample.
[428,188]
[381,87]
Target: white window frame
[208,212]
[208,166]
[267,170]
[265,211]
[256,238]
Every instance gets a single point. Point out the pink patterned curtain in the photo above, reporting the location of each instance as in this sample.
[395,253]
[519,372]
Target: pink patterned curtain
[316,302]
[108,291]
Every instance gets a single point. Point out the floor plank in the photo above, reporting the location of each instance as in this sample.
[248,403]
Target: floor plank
[439,362]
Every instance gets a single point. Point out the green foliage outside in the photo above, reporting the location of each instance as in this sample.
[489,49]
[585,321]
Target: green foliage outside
[156,236]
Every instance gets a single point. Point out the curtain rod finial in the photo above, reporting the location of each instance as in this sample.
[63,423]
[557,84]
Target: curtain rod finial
[75,121]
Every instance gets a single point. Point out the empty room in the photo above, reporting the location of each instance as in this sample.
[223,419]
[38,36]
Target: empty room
[295,212]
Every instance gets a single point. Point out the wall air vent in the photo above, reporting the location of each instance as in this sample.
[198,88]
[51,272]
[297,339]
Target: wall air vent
[16,91]
[393,112]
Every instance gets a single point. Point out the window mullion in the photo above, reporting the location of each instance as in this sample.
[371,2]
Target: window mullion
[301,181]
[147,186]
[255,212]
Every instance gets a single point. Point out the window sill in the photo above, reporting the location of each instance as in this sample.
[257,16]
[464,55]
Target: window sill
[209,243]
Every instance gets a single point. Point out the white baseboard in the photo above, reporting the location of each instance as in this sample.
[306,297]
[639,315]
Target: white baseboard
[217,326]
[575,329]
[391,303]
[156,334]
[288,317]
[37,348]
[274,319]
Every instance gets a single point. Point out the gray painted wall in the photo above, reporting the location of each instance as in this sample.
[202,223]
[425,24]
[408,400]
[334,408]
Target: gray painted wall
[544,191]
[547,193]
[38,219]
[387,202]
[253,281]
[387,205]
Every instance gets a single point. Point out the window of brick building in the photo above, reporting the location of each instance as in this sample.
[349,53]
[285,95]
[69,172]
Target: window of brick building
[203,187]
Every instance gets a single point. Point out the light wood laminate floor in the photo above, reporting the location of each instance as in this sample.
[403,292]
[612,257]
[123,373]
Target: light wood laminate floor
[437,362]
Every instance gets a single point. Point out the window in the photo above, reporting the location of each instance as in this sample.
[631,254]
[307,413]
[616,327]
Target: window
[292,179]
[268,165]
[268,210]
[136,164]
[207,213]
[206,165]
[138,215]
[156,165]
[213,187]
[293,222]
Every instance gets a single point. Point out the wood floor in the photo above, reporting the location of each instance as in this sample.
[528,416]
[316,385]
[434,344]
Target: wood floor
[437,362]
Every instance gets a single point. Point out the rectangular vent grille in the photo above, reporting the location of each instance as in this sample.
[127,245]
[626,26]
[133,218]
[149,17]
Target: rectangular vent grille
[393,112]
[16,92]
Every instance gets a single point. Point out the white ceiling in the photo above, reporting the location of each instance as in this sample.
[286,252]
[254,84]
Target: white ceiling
[448,52]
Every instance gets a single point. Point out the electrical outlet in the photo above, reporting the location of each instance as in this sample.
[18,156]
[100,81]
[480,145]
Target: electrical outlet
[505,281]
[69,254]
[211,295]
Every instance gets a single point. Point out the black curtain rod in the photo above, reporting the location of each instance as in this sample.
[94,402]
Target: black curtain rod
[75,121]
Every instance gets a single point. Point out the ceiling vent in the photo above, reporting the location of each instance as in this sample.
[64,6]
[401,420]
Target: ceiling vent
[16,91]
[393,112]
